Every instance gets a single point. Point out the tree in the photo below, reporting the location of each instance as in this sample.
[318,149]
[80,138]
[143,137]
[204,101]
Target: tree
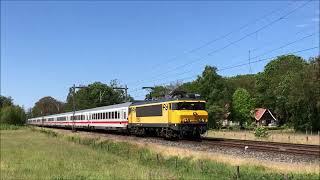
[46,106]
[242,104]
[158,92]
[275,83]
[96,94]
[303,100]
[214,89]
[247,81]
[12,115]
[190,87]
[5,101]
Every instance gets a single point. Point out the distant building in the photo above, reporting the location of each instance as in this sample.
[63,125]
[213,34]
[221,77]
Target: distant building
[264,117]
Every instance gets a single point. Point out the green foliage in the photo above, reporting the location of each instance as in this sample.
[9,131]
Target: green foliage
[95,95]
[261,132]
[5,101]
[242,104]
[190,87]
[214,89]
[247,82]
[158,92]
[290,87]
[14,115]
[46,106]
[4,126]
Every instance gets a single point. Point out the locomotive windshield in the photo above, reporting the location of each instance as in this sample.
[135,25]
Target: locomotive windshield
[188,106]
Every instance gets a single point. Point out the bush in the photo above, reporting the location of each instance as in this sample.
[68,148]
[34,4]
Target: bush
[250,126]
[261,132]
[9,127]
[12,115]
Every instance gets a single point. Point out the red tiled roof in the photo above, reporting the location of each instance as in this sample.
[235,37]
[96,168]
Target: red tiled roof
[258,113]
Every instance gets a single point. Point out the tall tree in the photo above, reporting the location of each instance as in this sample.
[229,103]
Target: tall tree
[214,89]
[242,104]
[95,95]
[12,115]
[46,106]
[247,81]
[5,101]
[276,81]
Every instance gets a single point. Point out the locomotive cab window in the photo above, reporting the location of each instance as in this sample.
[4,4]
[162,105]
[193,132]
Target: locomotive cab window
[188,106]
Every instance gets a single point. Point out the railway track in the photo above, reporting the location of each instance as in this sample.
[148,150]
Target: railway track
[247,145]
[287,148]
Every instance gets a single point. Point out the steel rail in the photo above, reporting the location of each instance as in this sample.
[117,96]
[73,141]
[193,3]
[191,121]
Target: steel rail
[288,148]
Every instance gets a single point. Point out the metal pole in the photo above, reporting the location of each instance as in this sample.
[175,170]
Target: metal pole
[250,70]
[126,91]
[73,106]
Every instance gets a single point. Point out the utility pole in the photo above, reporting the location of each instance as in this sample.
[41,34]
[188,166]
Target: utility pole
[250,70]
[149,88]
[125,88]
[73,91]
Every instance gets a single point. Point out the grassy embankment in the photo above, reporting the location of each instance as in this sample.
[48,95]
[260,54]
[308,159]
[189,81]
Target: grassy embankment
[43,154]
[286,136]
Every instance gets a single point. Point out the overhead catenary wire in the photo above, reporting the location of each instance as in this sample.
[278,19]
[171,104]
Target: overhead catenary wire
[236,41]
[240,65]
[267,52]
[224,35]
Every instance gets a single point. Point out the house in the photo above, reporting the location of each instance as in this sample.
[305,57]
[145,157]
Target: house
[264,117]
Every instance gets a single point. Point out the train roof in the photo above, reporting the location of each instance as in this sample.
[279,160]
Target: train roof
[136,103]
[127,104]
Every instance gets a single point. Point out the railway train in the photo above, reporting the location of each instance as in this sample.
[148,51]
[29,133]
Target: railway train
[169,118]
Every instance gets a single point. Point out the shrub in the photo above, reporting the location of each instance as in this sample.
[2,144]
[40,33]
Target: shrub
[261,132]
[12,115]
[4,126]
[250,126]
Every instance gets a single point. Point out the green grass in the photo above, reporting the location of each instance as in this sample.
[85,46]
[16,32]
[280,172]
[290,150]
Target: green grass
[4,126]
[31,153]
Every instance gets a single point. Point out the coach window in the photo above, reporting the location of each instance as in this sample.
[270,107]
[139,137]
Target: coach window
[124,115]
[104,115]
